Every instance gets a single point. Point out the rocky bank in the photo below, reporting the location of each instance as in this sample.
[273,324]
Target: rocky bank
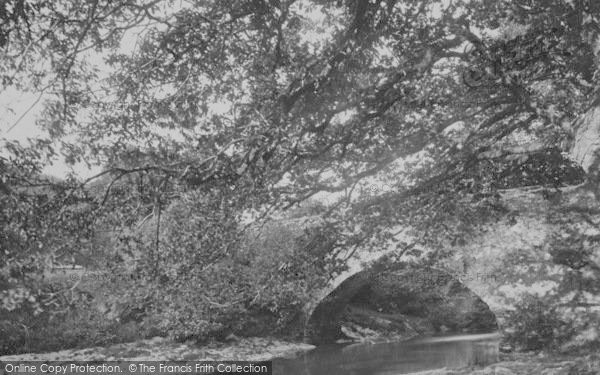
[531,364]
[161,349]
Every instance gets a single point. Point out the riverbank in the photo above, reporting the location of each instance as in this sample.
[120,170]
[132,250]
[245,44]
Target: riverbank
[161,349]
[264,349]
[531,364]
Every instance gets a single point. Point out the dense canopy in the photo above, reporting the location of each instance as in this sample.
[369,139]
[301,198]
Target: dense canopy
[393,114]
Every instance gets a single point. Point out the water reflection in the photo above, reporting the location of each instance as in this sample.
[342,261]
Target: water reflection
[395,358]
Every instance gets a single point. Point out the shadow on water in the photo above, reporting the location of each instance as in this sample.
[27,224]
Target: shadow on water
[419,354]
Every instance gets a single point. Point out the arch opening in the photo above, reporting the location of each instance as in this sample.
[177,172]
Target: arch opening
[397,303]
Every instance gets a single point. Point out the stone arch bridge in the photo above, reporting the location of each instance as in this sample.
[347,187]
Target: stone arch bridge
[497,267]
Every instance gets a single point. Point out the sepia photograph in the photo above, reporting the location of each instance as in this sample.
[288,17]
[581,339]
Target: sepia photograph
[300,187]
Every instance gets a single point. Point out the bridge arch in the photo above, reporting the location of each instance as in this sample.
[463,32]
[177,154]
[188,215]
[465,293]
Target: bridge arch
[401,283]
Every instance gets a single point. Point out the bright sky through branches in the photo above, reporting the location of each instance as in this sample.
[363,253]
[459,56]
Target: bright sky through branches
[19,111]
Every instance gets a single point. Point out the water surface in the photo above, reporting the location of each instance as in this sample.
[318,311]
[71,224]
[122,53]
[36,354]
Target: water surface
[404,357]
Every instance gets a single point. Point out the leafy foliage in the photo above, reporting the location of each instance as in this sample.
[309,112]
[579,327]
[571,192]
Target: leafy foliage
[42,223]
[229,109]
[537,324]
[565,313]
[203,279]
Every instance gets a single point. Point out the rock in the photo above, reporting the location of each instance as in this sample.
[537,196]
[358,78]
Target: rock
[560,368]
[231,338]
[442,371]
[587,140]
[358,333]
[497,370]
[556,371]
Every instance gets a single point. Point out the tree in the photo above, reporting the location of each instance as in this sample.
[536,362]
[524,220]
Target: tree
[332,103]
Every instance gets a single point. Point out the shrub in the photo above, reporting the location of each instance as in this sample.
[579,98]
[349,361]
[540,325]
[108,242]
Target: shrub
[208,278]
[205,278]
[536,324]
[61,327]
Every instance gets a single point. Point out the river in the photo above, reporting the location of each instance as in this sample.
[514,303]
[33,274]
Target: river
[391,358]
